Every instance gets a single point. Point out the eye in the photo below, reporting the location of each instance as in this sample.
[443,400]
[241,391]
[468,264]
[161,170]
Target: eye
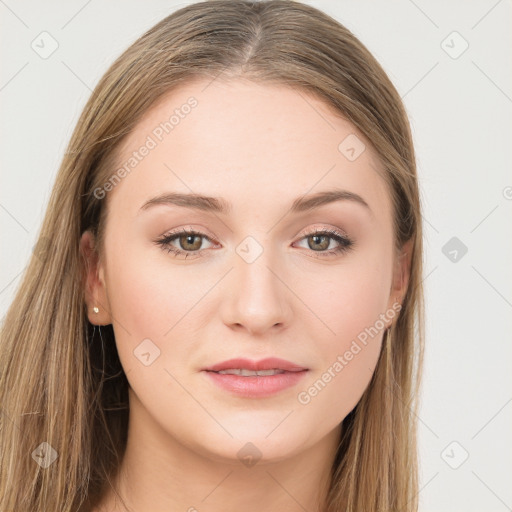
[189,240]
[319,241]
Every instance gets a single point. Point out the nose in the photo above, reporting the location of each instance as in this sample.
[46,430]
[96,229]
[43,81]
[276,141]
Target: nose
[257,297]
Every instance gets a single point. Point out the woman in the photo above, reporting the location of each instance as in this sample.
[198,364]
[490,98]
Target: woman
[221,310]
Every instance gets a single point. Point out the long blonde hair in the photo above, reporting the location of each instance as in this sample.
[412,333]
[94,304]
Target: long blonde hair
[62,386]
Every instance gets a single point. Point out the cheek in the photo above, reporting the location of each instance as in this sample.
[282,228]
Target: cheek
[350,297]
[347,357]
[351,305]
[147,302]
[140,301]
[332,392]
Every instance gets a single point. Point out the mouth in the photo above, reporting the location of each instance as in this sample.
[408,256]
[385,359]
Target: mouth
[255,379]
[250,373]
[273,364]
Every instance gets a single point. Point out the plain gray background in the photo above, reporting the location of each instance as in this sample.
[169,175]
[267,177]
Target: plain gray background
[459,101]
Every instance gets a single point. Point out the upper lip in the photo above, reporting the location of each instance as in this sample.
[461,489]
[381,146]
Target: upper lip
[264,364]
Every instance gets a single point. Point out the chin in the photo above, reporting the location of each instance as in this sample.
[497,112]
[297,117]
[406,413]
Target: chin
[250,447]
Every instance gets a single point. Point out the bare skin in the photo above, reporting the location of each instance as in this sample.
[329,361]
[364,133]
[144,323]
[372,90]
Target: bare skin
[258,147]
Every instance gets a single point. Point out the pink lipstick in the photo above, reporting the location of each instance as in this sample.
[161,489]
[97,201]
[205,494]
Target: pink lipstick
[255,379]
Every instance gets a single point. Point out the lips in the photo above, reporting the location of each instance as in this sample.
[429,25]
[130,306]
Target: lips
[247,367]
[255,379]
[250,373]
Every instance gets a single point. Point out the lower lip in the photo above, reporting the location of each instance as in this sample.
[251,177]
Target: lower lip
[256,387]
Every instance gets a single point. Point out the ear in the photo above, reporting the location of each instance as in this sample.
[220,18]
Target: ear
[94,282]
[401,276]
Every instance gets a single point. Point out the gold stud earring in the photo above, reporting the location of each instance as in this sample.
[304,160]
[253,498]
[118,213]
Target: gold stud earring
[95,309]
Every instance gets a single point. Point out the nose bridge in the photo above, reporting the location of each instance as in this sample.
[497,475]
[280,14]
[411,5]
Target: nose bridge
[258,297]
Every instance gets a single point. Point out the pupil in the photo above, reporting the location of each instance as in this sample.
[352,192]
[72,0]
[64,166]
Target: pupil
[317,239]
[189,239]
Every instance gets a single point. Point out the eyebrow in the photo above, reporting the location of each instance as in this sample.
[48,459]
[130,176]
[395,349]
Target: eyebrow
[219,205]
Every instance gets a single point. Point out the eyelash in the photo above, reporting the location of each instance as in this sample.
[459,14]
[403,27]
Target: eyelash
[346,244]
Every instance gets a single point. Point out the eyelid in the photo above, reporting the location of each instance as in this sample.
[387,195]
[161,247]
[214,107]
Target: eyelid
[188,230]
[322,228]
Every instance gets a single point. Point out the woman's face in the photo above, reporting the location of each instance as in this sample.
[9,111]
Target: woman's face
[252,281]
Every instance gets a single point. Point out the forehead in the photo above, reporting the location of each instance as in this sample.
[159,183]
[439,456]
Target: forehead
[238,139]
